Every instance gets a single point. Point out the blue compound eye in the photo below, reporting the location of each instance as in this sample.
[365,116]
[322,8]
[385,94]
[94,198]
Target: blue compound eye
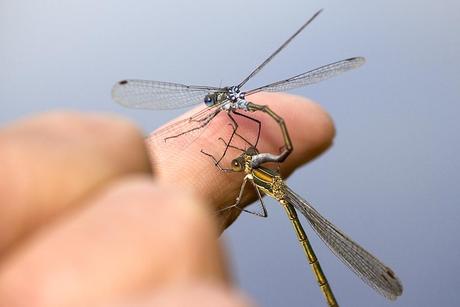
[208,101]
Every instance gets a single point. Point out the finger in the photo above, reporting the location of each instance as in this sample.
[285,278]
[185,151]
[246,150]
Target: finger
[53,160]
[193,295]
[310,127]
[136,236]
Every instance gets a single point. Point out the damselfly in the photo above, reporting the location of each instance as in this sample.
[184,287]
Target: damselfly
[269,182]
[167,95]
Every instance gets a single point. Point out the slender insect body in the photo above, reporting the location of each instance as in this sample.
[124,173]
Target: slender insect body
[269,182]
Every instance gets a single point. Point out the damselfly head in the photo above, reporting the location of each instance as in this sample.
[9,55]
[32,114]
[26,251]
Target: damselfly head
[238,164]
[210,100]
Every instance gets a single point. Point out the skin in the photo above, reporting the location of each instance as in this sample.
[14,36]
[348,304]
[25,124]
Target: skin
[84,222]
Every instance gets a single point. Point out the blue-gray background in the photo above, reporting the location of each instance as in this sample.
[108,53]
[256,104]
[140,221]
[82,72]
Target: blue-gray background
[391,178]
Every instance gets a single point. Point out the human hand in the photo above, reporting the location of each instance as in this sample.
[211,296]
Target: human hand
[82,222]
[310,128]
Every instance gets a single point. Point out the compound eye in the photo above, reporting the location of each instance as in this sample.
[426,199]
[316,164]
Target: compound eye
[208,101]
[236,166]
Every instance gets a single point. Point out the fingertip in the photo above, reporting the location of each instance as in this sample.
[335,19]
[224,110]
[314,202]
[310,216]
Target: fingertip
[313,129]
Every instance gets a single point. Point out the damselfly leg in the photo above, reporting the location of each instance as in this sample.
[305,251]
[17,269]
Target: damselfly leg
[198,124]
[228,145]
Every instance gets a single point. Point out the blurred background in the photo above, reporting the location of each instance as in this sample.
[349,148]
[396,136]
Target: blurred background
[391,180]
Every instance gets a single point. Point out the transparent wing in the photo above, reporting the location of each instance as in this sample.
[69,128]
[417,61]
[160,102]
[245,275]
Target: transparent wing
[158,95]
[312,76]
[360,261]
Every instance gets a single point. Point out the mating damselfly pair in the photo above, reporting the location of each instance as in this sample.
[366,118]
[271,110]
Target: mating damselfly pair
[235,103]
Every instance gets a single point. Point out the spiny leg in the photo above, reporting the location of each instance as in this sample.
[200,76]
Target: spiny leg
[234,125]
[232,146]
[236,205]
[238,199]
[203,122]
[228,144]
[216,162]
[259,126]
[261,202]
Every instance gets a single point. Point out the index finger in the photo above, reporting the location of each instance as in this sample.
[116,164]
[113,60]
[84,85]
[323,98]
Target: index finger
[310,127]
